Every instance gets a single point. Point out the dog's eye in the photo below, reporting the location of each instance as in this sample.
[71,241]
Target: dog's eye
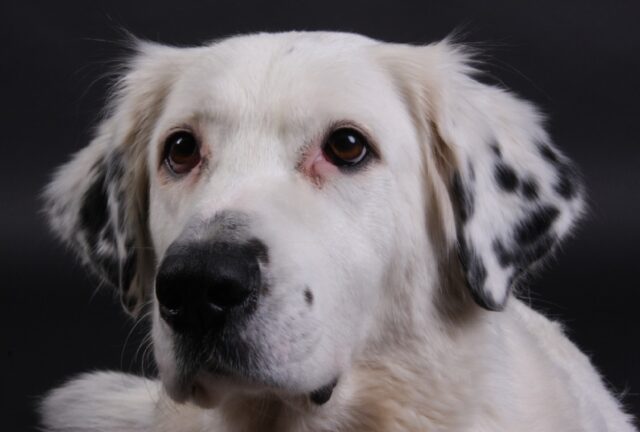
[346,147]
[181,152]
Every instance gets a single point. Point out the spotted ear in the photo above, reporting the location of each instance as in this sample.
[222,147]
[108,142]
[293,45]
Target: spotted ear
[513,195]
[97,202]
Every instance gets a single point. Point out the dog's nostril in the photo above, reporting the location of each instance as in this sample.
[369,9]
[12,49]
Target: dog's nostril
[226,293]
[170,299]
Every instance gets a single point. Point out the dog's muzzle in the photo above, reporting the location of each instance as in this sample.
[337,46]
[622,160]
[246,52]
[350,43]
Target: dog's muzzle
[200,286]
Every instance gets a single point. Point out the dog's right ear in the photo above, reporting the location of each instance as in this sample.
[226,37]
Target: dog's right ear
[97,202]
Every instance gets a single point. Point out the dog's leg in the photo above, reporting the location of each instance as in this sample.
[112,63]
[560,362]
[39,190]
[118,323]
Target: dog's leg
[102,401]
[116,402]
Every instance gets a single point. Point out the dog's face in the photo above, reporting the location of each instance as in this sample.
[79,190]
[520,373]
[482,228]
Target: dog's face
[285,172]
[270,195]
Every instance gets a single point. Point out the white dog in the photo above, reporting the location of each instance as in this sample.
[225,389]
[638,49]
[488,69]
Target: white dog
[327,230]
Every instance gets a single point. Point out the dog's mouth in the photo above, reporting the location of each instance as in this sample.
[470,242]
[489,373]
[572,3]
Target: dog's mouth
[207,389]
[208,384]
[211,367]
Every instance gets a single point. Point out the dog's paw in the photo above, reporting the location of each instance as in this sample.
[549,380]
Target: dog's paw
[101,401]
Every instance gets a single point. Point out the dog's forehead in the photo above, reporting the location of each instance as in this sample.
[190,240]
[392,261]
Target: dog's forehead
[290,78]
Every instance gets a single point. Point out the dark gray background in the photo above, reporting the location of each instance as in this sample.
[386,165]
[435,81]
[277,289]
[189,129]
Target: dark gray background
[578,60]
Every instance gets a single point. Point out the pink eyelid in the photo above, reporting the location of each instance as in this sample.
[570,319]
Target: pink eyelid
[316,166]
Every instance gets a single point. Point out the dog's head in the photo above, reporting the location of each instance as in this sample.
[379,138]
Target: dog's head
[286,201]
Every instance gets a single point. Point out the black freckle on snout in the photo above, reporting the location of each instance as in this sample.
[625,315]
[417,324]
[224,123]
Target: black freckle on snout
[506,177]
[308,296]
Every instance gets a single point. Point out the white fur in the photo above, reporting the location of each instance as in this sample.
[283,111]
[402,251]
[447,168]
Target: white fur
[392,316]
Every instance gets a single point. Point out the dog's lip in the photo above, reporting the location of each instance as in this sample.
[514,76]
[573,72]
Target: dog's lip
[321,395]
[207,390]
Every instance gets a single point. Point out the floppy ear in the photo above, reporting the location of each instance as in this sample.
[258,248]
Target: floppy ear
[513,195]
[97,202]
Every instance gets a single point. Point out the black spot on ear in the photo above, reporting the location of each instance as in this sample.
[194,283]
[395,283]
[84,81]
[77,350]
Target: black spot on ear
[567,184]
[567,179]
[536,224]
[476,276]
[529,189]
[128,270]
[102,200]
[532,240]
[476,271]
[464,199]
[549,154]
[308,296]
[505,258]
[535,251]
[521,256]
[506,177]
[495,148]
[94,210]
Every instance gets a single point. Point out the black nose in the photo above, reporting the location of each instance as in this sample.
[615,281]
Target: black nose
[201,285]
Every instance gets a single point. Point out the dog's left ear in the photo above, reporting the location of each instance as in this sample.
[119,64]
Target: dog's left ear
[512,194]
[97,202]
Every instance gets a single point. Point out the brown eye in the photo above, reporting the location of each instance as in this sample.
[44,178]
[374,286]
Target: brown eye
[181,152]
[346,147]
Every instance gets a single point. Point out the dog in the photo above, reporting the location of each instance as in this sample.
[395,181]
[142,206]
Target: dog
[328,233]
